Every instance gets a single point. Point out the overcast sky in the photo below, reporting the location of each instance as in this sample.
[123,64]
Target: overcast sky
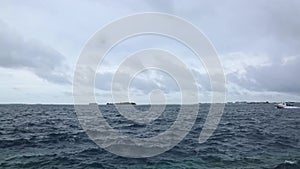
[258,43]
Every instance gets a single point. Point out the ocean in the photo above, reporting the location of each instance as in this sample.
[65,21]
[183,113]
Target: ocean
[248,136]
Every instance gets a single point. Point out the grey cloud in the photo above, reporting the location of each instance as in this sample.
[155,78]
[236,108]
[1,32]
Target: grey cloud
[256,26]
[18,52]
[276,77]
[140,83]
[202,80]
[161,81]
[266,28]
[144,83]
[103,81]
[274,28]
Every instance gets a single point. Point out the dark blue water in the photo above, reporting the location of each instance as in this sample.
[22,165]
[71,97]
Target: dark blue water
[248,136]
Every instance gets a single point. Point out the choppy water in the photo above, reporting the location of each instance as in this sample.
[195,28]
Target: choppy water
[248,136]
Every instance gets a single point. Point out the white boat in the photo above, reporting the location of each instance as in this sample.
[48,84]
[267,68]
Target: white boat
[285,105]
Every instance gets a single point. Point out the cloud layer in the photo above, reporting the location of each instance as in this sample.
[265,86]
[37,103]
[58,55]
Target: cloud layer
[17,52]
[258,42]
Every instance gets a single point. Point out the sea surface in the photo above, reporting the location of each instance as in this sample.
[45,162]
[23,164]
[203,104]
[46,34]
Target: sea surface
[248,136]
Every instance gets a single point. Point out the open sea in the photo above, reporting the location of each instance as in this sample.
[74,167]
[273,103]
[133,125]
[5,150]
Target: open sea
[248,136]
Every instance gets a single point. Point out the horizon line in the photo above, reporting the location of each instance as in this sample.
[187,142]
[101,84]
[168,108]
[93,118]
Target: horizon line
[241,101]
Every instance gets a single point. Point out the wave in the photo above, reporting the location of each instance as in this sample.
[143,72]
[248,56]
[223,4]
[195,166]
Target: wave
[287,164]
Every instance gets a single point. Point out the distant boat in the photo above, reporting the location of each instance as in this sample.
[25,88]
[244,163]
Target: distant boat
[285,105]
[122,103]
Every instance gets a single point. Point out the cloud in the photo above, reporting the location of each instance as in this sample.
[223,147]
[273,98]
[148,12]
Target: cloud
[151,79]
[143,83]
[19,53]
[258,41]
[279,76]
[250,26]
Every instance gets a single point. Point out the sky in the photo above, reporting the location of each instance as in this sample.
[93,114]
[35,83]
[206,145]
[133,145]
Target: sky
[257,41]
